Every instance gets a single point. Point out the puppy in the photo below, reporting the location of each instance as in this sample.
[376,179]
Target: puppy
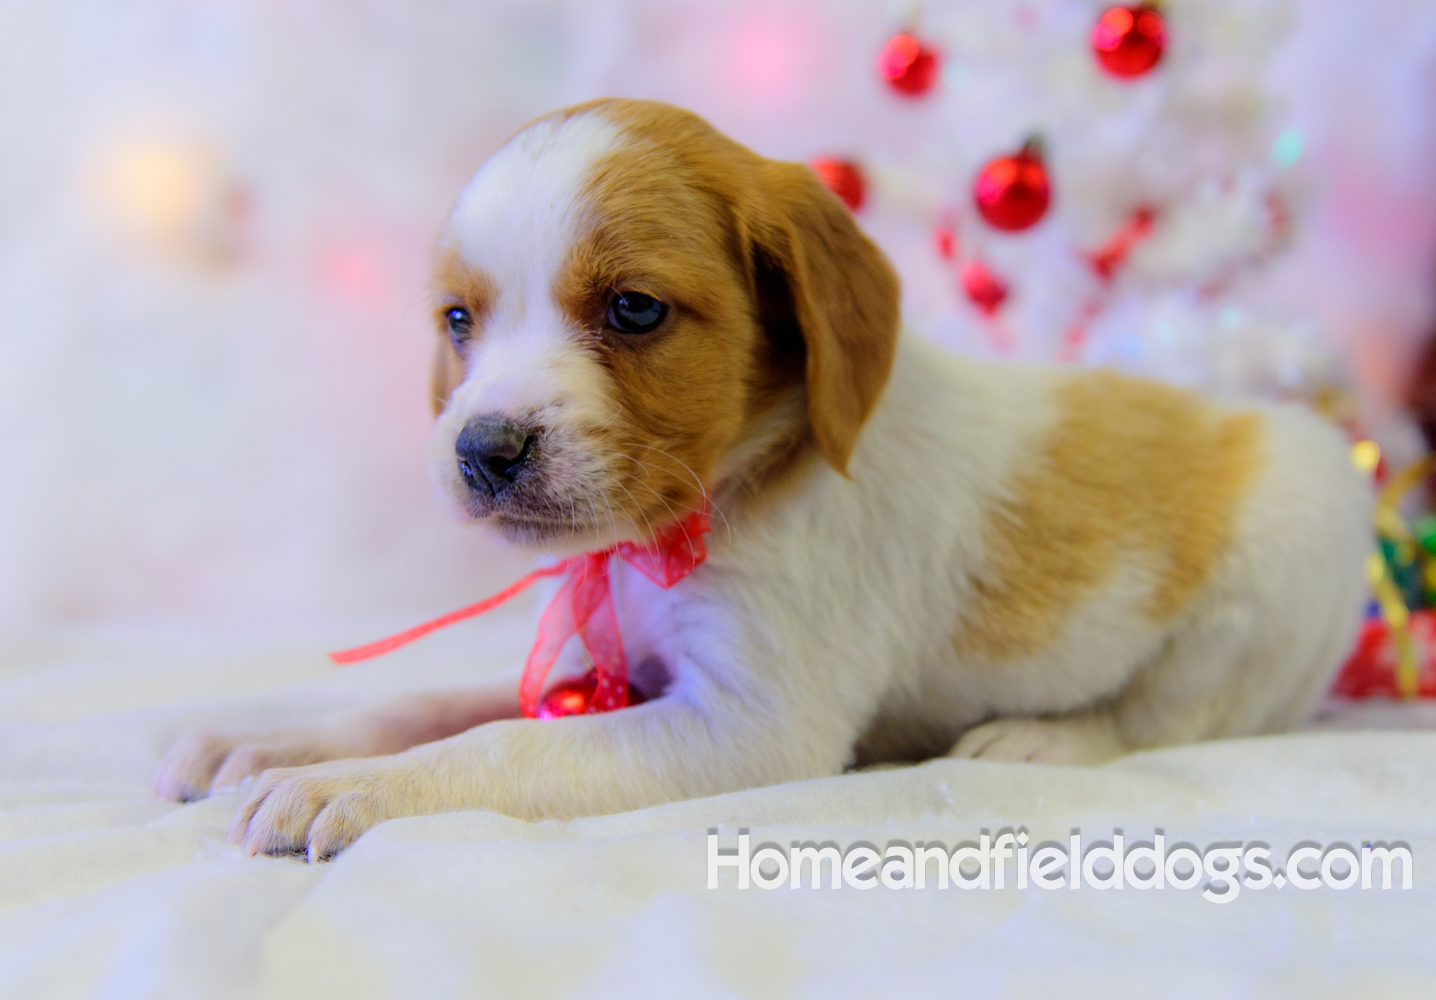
[914,554]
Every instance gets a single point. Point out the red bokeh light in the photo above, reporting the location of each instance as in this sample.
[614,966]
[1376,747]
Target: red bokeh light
[909,67]
[1012,192]
[1129,41]
[842,177]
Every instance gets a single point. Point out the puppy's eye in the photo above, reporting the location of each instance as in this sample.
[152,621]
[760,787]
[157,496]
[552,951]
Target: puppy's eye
[634,312]
[461,324]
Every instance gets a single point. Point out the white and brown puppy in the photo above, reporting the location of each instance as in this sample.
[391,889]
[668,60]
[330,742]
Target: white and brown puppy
[917,554]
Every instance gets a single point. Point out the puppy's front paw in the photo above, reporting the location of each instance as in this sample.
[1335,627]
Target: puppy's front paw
[187,771]
[1083,740]
[201,761]
[318,810]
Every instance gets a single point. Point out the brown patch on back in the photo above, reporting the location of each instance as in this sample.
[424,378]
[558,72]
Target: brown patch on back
[455,283]
[1132,467]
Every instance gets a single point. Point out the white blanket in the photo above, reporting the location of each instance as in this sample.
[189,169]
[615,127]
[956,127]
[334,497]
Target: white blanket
[105,892]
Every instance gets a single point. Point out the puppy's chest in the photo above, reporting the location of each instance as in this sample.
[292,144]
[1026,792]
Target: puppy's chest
[657,625]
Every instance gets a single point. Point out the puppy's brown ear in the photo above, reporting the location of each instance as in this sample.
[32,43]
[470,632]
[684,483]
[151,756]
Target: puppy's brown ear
[844,298]
[447,373]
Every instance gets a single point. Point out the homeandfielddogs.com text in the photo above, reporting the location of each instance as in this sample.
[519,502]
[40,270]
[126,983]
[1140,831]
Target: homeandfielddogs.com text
[1221,870]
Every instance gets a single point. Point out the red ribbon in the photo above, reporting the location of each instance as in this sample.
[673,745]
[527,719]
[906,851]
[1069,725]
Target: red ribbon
[583,606]
[1370,670]
[1106,261]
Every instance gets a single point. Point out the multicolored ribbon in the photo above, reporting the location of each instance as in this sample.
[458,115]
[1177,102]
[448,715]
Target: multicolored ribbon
[1390,524]
[583,606]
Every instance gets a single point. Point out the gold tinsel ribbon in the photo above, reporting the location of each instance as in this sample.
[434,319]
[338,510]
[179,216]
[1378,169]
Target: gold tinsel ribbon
[1390,524]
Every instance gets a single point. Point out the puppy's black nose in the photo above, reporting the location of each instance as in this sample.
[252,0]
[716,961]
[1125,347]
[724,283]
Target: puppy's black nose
[491,452]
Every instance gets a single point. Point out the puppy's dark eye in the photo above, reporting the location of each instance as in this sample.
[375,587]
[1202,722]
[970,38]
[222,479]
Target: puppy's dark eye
[634,312]
[461,324]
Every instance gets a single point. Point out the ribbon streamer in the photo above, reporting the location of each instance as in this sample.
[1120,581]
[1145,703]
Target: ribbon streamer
[1390,523]
[583,606]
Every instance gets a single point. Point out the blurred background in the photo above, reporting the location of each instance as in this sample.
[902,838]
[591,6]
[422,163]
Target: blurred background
[215,218]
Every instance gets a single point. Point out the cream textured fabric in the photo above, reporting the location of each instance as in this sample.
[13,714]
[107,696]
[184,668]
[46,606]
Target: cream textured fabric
[105,892]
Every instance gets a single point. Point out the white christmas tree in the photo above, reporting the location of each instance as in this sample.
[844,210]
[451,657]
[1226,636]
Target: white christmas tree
[1180,236]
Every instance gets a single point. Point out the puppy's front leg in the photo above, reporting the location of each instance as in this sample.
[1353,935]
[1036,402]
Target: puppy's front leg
[201,760]
[663,751]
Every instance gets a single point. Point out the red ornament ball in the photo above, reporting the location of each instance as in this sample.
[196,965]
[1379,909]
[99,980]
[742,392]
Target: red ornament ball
[1012,192]
[908,66]
[573,697]
[983,288]
[944,240]
[1129,41]
[842,177]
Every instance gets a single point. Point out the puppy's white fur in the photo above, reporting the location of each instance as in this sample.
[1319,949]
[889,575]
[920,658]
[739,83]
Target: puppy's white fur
[820,630]
[515,222]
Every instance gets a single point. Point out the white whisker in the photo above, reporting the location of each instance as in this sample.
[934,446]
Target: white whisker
[613,522]
[638,507]
[698,482]
[659,496]
[593,511]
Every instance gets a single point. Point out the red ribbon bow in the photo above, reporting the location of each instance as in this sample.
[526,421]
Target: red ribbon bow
[583,606]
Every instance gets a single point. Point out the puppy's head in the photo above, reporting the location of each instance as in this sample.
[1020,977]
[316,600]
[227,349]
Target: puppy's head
[635,313]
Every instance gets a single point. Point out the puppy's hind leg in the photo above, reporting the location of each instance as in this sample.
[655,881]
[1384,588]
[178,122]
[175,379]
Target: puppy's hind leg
[1232,670]
[1201,683]
[1085,737]
[1271,685]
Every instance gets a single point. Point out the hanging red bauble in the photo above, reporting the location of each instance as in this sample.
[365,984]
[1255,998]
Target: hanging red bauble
[573,697]
[842,177]
[944,239]
[1012,192]
[1129,41]
[909,66]
[1111,255]
[984,288]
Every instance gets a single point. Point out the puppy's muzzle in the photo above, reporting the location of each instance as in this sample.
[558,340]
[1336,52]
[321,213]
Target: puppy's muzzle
[492,452]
